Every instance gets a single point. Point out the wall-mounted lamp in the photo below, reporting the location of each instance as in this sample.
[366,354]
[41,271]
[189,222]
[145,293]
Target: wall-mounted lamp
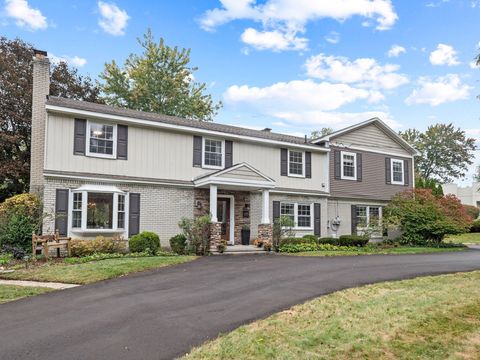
[198,204]
[246,211]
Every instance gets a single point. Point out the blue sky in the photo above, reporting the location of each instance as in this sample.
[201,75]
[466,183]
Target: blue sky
[292,65]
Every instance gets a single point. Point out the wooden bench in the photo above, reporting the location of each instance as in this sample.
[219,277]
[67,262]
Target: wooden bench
[47,242]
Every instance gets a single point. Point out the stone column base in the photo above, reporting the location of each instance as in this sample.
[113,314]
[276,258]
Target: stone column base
[265,232]
[215,234]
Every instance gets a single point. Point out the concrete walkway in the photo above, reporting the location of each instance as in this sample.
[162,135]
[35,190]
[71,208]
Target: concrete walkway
[51,285]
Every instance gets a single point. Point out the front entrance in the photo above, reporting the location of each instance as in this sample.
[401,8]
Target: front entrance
[225,216]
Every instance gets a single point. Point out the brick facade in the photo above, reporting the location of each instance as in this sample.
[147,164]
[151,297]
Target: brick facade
[215,235]
[265,232]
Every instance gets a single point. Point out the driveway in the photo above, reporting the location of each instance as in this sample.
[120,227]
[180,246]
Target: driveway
[161,314]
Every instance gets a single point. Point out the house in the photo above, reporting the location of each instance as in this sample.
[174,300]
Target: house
[468,195]
[108,171]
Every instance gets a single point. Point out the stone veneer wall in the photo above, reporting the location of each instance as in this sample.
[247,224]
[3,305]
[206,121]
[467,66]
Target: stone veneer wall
[241,198]
[161,207]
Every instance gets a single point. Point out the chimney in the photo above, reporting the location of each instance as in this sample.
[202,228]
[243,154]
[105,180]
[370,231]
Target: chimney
[41,87]
[267,130]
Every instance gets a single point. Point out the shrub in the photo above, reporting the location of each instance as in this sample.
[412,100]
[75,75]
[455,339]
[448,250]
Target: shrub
[222,246]
[472,211]
[295,248]
[327,240]
[310,238]
[16,252]
[352,240]
[282,228]
[197,232]
[99,245]
[178,244]
[297,240]
[145,241]
[475,226]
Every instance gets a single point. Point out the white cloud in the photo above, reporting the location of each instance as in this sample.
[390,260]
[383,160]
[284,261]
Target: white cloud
[113,19]
[76,61]
[365,72]
[333,37]
[473,65]
[396,50]
[291,16]
[24,15]
[437,91]
[444,55]
[275,40]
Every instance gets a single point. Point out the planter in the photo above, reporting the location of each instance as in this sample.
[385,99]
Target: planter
[245,237]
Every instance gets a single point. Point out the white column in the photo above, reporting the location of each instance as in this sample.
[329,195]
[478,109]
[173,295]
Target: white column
[265,206]
[213,203]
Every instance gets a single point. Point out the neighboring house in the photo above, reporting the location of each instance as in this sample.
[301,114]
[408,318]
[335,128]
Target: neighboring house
[108,171]
[468,195]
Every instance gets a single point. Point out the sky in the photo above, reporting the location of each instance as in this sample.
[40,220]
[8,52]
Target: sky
[290,65]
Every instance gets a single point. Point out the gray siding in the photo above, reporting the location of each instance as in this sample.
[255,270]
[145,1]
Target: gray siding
[373,185]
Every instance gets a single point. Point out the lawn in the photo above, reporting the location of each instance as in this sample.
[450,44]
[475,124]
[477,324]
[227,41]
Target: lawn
[93,271]
[370,250]
[12,292]
[468,238]
[424,318]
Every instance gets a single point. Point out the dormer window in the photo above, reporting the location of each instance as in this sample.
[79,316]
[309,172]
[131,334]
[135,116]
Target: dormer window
[102,139]
[213,153]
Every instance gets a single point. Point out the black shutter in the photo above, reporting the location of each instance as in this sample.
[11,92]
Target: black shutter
[316,219]
[134,214]
[283,162]
[79,136]
[388,171]
[197,151]
[406,172]
[228,153]
[359,167]
[61,211]
[354,219]
[337,164]
[276,210]
[122,142]
[308,164]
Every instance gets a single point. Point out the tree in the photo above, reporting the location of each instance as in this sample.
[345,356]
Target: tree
[158,80]
[432,184]
[445,152]
[16,109]
[323,132]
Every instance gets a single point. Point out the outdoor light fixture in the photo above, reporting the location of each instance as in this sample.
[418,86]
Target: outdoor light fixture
[198,204]
[246,211]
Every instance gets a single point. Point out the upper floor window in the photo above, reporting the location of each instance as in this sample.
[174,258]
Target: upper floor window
[349,166]
[213,153]
[398,172]
[296,163]
[102,139]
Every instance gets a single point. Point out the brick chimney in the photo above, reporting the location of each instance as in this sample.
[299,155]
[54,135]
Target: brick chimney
[41,88]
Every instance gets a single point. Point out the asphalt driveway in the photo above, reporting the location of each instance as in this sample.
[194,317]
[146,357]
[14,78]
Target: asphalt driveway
[161,314]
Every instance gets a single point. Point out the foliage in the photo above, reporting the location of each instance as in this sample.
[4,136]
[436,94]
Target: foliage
[310,238]
[146,241]
[16,252]
[100,244]
[323,132]
[16,109]
[282,227]
[258,243]
[299,240]
[104,256]
[197,232]
[432,184]
[5,258]
[445,152]
[424,218]
[472,211]
[178,244]
[306,247]
[158,80]
[267,246]
[352,240]
[222,246]
[475,228]
[17,231]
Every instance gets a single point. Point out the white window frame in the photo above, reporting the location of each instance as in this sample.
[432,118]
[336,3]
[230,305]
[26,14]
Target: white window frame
[391,171]
[367,209]
[343,176]
[84,228]
[295,214]
[87,142]
[205,166]
[303,163]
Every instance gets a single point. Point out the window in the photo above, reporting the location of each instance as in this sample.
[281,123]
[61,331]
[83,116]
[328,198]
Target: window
[121,212]
[397,172]
[213,154]
[77,210]
[349,166]
[99,211]
[367,215]
[301,214]
[101,140]
[295,163]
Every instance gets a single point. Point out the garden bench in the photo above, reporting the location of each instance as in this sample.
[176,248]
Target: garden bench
[46,242]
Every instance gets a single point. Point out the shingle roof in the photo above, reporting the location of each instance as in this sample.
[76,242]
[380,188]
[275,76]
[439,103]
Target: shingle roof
[194,124]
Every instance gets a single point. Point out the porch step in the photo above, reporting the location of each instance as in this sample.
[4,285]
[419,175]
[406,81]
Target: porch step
[241,250]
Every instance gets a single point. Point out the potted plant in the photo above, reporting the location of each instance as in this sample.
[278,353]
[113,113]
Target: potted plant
[245,234]
[267,246]
[258,243]
[222,246]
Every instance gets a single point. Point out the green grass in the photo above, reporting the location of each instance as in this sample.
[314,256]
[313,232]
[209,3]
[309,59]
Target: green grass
[377,250]
[12,292]
[468,238]
[94,271]
[424,318]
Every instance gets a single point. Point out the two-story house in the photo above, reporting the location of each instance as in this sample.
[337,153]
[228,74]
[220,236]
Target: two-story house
[103,170]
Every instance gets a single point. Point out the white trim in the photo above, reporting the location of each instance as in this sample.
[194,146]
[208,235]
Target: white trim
[126,119]
[213,203]
[235,182]
[227,170]
[114,141]
[204,166]
[265,206]
[342,176]
[232,216]
[298,193]
[372,150]
[303,164]
[367,207]
[393,182]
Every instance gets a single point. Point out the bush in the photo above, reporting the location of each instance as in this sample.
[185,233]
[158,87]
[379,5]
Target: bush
[295,248]
[282,228]
[475,226]
[16,252]
[100,245]
[178,244]
[145,241]
[472,211]
[297,240]
[197,232]
[328,240]
[310,238]
[352,240]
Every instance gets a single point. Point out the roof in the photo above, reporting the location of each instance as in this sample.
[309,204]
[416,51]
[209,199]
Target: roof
[172,120]
[387,129]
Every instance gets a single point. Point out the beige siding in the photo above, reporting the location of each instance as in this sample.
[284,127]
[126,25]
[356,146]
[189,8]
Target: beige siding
[243,173]
[370,136]
[373,184]
[159,154]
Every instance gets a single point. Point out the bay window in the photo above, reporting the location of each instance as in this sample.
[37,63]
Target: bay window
[301,214]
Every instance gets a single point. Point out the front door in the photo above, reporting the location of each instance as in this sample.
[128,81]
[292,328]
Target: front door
[223,216]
